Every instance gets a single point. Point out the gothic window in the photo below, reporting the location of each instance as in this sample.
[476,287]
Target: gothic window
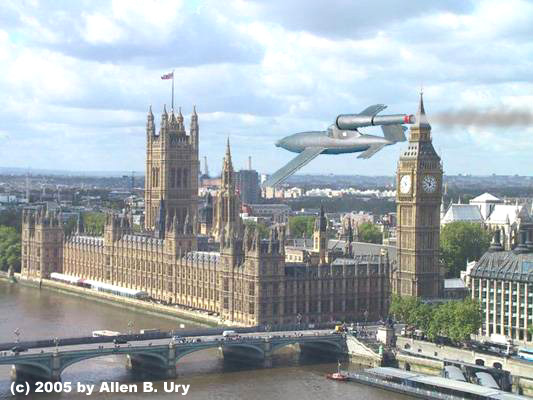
[185,177]
[172,177]
[178,177]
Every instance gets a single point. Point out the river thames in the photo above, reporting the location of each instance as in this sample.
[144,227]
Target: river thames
[47,314]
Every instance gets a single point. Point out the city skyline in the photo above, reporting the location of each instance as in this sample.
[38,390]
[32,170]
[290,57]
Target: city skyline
[80,78]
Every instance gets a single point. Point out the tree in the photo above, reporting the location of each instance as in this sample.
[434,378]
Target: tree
[9,248]
[370,233]
[300,225]
[403,308]
[456,320]
[94,223]
[461,241]
[263,229]
[11,217]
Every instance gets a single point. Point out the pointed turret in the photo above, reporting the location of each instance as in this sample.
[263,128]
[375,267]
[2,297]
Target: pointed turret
[321,223]
[181,127]
[421,121]
[194,131]
[173,123]
[150,125]
[164,121]
[227,168]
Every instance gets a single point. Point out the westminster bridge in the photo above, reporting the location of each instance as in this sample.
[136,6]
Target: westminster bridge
[160,356]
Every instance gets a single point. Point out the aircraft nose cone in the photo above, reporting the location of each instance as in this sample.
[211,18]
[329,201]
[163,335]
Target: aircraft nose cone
[279,143]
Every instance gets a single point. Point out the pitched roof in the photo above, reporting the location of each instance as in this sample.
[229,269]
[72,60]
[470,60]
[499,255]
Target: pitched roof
[506,212]
[462,212]
[505,265]
[485,197]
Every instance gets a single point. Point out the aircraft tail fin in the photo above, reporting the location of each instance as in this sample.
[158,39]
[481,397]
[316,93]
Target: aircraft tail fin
[394,133]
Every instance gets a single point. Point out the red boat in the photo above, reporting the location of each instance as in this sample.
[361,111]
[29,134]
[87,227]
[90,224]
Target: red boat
[337,376]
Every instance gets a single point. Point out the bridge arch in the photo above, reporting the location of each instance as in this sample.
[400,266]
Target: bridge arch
[224,345]
[74,360]
[325,343]
[480,361]
[43,369]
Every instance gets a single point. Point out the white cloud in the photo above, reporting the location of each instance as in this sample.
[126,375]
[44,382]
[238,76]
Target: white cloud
[80,75]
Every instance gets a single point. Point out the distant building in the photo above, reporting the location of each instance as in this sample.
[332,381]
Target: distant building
[486,203]
[275,213]
[502,281]
[492,213]
[462,213]
[247,184]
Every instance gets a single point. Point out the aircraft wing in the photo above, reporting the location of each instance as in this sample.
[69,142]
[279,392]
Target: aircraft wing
[294,165]
[371,151]
[373,109]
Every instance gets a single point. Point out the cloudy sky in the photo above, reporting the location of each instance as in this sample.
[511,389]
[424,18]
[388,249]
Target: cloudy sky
[77,77]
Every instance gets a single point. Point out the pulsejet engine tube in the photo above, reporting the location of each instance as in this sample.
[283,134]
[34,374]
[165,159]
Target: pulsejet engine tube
[354,121]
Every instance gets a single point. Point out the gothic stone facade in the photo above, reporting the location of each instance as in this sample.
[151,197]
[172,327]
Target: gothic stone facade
[418,199]
[247,282]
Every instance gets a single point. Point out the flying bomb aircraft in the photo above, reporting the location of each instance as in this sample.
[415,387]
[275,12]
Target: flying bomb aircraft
[342,137]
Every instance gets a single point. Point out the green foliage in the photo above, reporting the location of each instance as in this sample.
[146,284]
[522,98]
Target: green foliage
[461,241]
[456,320]
[94,223]
[299,225]
[11,217]
[370,233]
[70,226]
[530,330]
[9,248]
[263,229]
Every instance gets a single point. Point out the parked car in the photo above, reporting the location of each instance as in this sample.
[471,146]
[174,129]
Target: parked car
[18,349]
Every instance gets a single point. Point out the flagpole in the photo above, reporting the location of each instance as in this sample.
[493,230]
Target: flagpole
[172,90]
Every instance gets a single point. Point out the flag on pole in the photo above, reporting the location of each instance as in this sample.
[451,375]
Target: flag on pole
[168,76]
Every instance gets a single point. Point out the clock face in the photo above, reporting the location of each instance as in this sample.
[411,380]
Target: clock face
[405,184]
[429,184]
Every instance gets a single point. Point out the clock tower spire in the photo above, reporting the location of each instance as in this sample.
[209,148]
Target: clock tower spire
[418,199]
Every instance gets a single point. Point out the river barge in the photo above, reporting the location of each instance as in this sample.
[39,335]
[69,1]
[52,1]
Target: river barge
[427,387]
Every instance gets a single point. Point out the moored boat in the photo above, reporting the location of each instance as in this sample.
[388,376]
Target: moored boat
[337,376]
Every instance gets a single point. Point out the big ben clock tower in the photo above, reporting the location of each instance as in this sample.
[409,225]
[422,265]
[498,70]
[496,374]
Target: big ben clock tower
[418,199]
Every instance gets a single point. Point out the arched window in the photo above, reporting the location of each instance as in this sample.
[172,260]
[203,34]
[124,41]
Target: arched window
[172,177]
[178,178]
[185,177]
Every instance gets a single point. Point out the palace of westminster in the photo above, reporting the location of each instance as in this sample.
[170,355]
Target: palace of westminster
[250,280]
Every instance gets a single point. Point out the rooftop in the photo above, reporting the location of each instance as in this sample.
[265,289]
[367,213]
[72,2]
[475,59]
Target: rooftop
[485,198]
[462,212]
[505,265]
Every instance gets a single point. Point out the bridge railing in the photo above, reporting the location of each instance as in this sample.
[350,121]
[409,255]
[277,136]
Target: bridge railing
[168,334]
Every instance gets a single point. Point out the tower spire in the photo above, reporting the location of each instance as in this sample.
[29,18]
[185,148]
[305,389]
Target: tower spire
[421,118]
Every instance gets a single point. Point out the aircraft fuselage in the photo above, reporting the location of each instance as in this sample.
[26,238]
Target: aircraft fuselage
[350,143]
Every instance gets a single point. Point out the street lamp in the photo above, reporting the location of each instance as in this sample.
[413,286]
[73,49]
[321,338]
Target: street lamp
[130,327]
[17,334]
